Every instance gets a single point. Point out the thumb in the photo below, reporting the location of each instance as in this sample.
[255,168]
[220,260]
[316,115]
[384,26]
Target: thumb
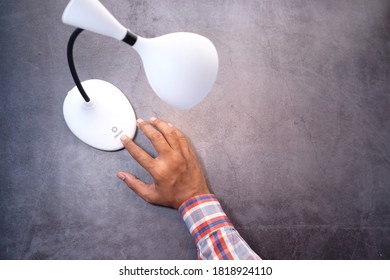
[147,192]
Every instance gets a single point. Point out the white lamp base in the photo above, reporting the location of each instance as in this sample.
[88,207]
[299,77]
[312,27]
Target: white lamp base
[100,122]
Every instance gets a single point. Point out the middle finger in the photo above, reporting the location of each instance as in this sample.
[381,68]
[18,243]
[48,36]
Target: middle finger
[158,140]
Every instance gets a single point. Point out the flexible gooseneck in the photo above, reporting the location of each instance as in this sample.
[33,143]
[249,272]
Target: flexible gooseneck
[130,39]
[72,68]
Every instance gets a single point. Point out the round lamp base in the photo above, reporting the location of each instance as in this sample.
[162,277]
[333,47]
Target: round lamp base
[100,122]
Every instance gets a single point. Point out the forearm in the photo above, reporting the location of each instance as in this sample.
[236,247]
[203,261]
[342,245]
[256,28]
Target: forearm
[214,234]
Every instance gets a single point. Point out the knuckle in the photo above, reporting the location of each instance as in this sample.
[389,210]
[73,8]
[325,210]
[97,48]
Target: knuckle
[160,173]
[157,121]
[182,167]
[178,164]
[141,158]
[156,136]
[171,132]
[182,139]
[181,134]
[178,160]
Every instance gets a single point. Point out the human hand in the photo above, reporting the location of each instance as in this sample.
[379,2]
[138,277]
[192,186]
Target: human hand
[176,171]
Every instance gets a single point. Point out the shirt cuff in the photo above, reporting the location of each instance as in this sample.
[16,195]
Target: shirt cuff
[203,215]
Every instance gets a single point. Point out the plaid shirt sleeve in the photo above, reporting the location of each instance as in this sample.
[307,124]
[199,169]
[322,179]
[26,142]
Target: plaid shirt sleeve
[214,234]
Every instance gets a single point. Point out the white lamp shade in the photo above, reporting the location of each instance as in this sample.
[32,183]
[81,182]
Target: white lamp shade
[91,15]
[181,67]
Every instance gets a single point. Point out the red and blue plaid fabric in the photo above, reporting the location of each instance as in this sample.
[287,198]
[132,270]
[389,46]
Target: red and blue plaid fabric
[214,234]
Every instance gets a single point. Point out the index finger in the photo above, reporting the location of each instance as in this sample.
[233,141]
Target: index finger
[169,132]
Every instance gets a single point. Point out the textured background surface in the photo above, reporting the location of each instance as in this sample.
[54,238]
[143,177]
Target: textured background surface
[294,136]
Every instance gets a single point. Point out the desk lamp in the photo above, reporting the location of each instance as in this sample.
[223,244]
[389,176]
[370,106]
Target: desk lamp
[181,69]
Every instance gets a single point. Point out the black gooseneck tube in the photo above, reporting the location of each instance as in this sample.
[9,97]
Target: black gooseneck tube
[130,39]
[72,68]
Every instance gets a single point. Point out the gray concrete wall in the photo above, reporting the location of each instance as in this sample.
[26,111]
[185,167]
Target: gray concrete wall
[294,137]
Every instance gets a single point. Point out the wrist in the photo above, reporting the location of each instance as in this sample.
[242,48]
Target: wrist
[203,215]
[189,194]
[192,198]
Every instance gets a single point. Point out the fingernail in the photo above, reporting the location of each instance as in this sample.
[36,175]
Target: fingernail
[140,121]
[123,138]
[121,176]
[152,119]
[171,125]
